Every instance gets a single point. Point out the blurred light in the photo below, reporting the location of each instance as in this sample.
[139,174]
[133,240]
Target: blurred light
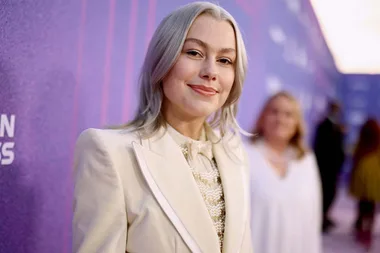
[352,32]
[273,84]
[294,5]
[277,35]
[357,117]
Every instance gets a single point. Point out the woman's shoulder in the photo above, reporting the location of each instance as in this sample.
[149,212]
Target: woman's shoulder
[308,160]
[309,155]
[105,146]
[250,145]
[108,139]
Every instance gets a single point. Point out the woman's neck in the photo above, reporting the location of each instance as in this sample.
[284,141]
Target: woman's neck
[277,146]
[191,128]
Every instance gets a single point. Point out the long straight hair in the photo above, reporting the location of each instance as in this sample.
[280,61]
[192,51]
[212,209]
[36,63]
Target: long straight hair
[163,51]
[369,140]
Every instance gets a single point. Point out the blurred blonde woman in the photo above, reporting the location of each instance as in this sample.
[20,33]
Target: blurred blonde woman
[285,185]
[175,178]
[365,180]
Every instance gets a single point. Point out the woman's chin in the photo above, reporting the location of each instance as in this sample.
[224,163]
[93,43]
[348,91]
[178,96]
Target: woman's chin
[281,137]
[201,112]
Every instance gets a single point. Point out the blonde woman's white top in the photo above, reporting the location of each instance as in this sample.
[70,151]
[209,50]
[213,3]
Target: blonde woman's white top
[285,211]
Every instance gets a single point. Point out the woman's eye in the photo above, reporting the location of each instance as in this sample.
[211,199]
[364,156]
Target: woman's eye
[275,112]
[225,61]
[193,53]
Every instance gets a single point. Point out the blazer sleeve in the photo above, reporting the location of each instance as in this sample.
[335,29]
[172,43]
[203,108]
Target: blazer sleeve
[99,212]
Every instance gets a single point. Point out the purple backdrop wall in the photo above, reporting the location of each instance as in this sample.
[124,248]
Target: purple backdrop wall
[359,95]
[66,65]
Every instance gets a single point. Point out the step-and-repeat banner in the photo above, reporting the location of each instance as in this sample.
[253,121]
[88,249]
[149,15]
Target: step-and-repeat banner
[69,65]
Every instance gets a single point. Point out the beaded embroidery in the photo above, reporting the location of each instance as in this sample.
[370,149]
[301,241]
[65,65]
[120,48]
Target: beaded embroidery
[210,186]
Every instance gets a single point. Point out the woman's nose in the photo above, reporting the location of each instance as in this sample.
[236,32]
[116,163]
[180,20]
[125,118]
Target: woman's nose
[209,71]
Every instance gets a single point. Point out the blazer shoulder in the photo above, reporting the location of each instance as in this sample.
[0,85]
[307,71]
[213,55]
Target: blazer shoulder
[107,137]
[113,142]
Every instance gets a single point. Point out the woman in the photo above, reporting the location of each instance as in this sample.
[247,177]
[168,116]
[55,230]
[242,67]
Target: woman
[365,180]
[285,185]
[166,182]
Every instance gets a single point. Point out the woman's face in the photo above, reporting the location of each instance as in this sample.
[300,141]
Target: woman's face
[280,120]
[202,77]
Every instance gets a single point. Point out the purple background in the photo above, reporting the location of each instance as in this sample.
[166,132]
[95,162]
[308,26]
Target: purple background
[66,65]
[360,97]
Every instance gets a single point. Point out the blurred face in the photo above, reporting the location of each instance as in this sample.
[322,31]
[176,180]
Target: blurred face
[280,120]
[201,80]
[335,110]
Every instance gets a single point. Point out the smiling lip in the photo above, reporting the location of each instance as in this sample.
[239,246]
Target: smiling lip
[203,90]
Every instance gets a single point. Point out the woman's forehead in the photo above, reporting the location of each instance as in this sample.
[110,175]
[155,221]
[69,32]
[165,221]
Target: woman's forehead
[213,32]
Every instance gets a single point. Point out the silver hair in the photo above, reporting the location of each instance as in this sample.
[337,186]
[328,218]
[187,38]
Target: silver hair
[163,51]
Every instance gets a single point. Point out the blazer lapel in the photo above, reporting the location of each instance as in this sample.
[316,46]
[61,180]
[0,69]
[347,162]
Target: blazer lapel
[171,181]
[229,157]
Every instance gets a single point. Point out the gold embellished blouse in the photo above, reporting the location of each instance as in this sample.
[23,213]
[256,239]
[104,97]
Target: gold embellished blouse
[206,174]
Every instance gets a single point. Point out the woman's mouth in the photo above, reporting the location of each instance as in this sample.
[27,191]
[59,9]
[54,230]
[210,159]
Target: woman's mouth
[203,90]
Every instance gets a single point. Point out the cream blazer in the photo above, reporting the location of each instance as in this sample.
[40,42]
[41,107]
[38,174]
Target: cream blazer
[138,195]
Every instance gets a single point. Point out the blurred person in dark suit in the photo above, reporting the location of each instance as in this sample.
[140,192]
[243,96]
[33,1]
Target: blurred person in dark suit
[329,151]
